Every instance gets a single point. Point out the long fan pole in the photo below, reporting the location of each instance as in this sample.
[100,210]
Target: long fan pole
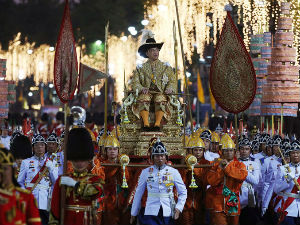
[63,187]
[236,130]
[184,69]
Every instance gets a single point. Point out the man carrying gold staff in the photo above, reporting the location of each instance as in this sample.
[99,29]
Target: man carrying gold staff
[154,80]
[194,211]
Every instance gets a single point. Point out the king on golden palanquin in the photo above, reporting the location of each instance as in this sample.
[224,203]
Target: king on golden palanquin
[153,81]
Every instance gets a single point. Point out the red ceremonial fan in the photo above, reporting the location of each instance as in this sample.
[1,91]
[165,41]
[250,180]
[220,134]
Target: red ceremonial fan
[65,62]
[232,75]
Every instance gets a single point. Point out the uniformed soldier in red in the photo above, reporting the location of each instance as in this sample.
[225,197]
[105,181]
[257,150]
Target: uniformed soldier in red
[17,206]
[82,188]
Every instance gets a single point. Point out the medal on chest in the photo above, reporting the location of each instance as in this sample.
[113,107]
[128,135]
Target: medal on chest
[168,180]
[150,176]
[250,168]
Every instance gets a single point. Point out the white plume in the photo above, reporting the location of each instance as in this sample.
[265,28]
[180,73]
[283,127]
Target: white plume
[146,35]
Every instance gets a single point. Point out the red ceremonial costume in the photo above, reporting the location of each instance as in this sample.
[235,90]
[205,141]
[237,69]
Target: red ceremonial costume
[115,197]
[18,206]
[194,210]
[81,201]
[225,186]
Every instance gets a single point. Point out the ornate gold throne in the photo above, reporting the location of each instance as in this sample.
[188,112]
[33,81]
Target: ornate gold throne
[134,141]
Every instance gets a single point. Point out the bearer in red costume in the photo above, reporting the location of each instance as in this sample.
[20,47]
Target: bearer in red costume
[43,128]
[17,206]
[59,126]
[194,211]
[82,188]
[115,197]
[226,178]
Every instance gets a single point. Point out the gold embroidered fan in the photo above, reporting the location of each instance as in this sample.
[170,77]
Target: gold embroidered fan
[232,76]
[65,61]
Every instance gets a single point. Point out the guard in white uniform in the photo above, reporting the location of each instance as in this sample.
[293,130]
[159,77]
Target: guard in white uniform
[5,138]
[263,138]
[288,208]
[160,180]
[271,166]
[38,174]
[208,155]
[53,152]
[249,213]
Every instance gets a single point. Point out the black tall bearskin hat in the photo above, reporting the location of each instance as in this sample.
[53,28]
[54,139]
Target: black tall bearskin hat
[21,147]
[80,145]
[60,116]
[98,118]
[45,117]
[89,117]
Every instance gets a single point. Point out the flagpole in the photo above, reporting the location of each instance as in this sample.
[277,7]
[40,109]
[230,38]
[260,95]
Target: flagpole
[184,70]
[106,79]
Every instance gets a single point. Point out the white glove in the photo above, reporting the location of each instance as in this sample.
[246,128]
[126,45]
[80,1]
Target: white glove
[286,166]
[65,180]
[263,211]
[289,177]
[49,164]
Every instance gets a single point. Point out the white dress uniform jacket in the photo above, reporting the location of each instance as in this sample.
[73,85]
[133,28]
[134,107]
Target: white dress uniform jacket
[259,155]
[272,165]
[59,161]
[249,186]
[283,188]
[6,141]
[269,172]
[29,168]
[159,183]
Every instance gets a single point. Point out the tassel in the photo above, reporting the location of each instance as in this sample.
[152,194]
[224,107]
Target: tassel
[126,119]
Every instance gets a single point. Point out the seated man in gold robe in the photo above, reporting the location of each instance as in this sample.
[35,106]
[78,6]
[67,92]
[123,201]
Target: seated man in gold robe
[154,81]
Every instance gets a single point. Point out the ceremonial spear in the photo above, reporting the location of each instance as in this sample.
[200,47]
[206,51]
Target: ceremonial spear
[106,79]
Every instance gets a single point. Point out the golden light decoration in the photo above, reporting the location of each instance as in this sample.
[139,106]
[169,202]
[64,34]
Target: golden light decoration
[122,57]
[23,60]
[295,14]
[198,19]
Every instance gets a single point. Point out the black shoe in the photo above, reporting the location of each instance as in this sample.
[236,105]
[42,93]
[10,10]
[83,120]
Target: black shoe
[156,128]
[145,129]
